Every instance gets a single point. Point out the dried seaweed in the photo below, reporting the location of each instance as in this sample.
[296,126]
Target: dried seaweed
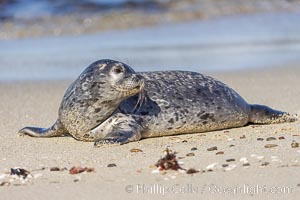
[168,162]
[23,173]
[77,170]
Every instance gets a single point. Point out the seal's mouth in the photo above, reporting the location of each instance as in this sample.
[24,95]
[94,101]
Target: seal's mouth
[130,87]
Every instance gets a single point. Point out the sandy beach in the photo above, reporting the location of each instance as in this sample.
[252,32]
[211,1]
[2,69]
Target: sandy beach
[253,46]
[271,173]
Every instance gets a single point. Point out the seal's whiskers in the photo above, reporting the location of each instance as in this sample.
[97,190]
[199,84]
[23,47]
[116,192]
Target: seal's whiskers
[141,97]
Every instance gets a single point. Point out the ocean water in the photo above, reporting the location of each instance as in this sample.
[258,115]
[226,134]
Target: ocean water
[31,9]
[220,44]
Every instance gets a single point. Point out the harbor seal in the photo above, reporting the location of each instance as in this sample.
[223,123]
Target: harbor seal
[111,103]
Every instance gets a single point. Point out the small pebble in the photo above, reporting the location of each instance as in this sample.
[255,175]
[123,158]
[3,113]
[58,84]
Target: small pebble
[194,149]
[76,180]
[190,154]
[230,160]
[260,157]
[220,153]
[211,166]
[111,165]
[54,169]
[243,137]
[281,138]
[295,144]
[5,183]
[284,166]
[230,167]
[260,139]
[212,148]
[244,160]
[265,163]
[270,145]
[270,138]
[135,150]
[192,171]
[274,158]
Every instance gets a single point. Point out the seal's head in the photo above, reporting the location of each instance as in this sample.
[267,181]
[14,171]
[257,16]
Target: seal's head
[124,79]
[97,93]
[111,80]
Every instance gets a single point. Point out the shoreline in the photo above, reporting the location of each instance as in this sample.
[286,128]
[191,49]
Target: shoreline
[36,103]
[213,73]
[255,41]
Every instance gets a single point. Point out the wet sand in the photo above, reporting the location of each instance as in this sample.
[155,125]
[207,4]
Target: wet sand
[36,103]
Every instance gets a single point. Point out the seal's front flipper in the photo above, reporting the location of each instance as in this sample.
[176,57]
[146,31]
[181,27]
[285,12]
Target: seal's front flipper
[124,129]
[55,130]
[265,115]
[119,137]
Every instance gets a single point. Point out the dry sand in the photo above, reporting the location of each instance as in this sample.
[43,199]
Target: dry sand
[36,103]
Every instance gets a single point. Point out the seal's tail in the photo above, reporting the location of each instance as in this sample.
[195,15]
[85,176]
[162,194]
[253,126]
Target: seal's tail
[55,130]
[265,115]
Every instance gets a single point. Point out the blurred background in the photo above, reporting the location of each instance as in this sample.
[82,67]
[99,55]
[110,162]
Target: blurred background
[51,39]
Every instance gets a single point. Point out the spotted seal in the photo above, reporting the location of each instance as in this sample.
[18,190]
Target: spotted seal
[111,103]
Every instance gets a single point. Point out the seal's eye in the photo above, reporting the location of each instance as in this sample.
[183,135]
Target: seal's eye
[118,70]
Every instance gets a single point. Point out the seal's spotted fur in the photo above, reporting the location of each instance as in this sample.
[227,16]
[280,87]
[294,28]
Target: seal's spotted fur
[111,103]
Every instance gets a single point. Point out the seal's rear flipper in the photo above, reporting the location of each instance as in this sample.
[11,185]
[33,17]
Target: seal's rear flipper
[265,115]
[53,131]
